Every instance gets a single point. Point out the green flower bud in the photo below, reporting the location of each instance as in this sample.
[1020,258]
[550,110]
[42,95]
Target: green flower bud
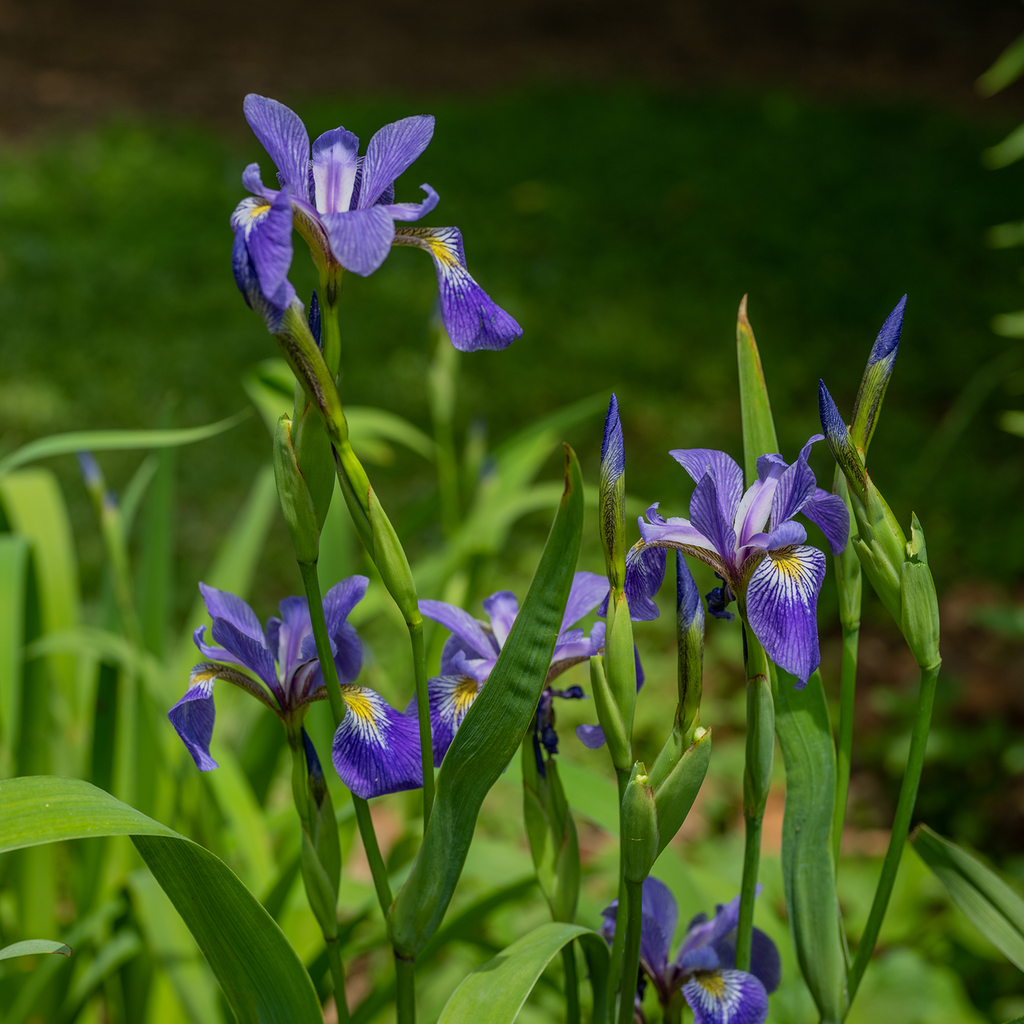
[920,613]
[608,715]
[639,839]
[313,454]
[676,778]
[296,501]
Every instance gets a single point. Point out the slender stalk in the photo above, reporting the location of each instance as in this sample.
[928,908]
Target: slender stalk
[572,986]
[631,950]
[330,331]
[338,974]
[618,940]
[405,992]
[419,661]
[442,408]
[375,860]
[311,583]
[748,891]
[847,692]
[900,827]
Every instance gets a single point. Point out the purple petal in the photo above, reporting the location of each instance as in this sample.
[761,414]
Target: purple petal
[471,318]
[765,963]
[688,606]
[341,599]
[788,534]
[645,572]
[700,958]
[390,152]
[659,906]
[675,532]
[461,624]
[348,652]
[270,308]
[249,652]
[222,604]
[252,180]
[613,449]
[450,698]
[334,170]
[795,488]
[194,714]
[586,593]
[756,504]
[211,651]
[413,211]
[292,629]
[888,340]
[591,736]
[268,241]
[360,239]
[782,600]
[502,608]
[830,514]
[727,475]
[376,749]
[726,997]
[707,516]
[284,137]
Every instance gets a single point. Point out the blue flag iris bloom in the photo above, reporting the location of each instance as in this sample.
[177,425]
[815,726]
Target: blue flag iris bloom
[756,547]
[343,206]
[704,965]
[376,749]
[472,650]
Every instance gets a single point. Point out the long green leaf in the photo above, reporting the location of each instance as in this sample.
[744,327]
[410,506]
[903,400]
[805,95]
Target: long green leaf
[492,729]
[495,992]
[31,946]
[995,909]
[755,409]
[13,555]
[808,871]
[113,440]
[260,974]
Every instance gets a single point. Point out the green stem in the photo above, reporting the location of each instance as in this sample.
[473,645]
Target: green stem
[338,974]
[631,950]
[311,582]
[375,860]
[748,891]
[419,661]
[442,408]
[618,940]
[330,330]
[900,827]
[572,988]
[847,691]
[406,991]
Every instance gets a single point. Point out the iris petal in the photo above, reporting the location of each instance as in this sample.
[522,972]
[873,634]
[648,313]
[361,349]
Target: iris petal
[390,152]
[781,603]
[413,211]
[450,698]
[334,170]
[502,608]
[376,749]
[726,997]
[193,717]
[707,516]
[461,624]
[645,572]
[360,239]
[222,604]
[724,471]
[830,514]
[588,590]
[283,135]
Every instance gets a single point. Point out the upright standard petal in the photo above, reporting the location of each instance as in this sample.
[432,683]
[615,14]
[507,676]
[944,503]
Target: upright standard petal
[829,513]
[724,471]
[360,239]
[645,572]
[450,698]
[781,600]
[501,607]
[284,137]
[588,590]
[795,488]
[471,318]
[461,624]
[659,905]
[335,154]
[707,516]
[222,604]
[341,599]
[376,749]
[391,150]
[249,652]
[726,997]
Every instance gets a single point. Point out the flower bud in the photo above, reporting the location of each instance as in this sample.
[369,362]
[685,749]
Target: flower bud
[876,377]
[920,613]
[321,850]
[296,501]
[676,778]
[611,498]
[639,837]
[608,715]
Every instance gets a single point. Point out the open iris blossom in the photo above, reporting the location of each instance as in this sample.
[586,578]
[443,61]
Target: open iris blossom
[757,548]
[375,749]
[472,650]
[343,206]
[703,967]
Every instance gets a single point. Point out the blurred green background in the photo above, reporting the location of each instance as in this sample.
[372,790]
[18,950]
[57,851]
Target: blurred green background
[621,226]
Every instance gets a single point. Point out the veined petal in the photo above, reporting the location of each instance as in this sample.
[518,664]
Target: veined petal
[334,170]
[450,698]
[210,650]
[376,749]
[707,516]
[360,239]
[291,630]
[284,137]
[788,534]
[613,449]
[471,318]
[830,514]
[756,504]
[675,532]
[588,590]
[501,607]
[270,308]
[457,661]
[700,958]
[348,652]
[249,652]
[795,488]
[222,604]
[341,599]
[461,624]
[413,211]
[252,180]
[268,239]
[765,963]
[658,924]
[726,997]
[781,603]
[725,472]
[645,572]
[390,152]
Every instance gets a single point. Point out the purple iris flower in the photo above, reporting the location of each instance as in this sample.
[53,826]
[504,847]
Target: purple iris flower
[704,965]
[764,565]
[376,748]
[343,206]
[472,650]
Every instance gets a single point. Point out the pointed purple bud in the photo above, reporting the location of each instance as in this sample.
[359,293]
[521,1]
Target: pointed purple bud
[611,497]
[613,452]
[876,377]
[91,472]
[314,320]
[837,437]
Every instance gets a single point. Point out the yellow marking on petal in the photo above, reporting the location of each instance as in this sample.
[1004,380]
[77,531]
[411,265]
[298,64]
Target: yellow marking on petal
[787,563]
[205,676]
[712,982]
[258,211]
[443,252]
[358,703]
[464,694]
